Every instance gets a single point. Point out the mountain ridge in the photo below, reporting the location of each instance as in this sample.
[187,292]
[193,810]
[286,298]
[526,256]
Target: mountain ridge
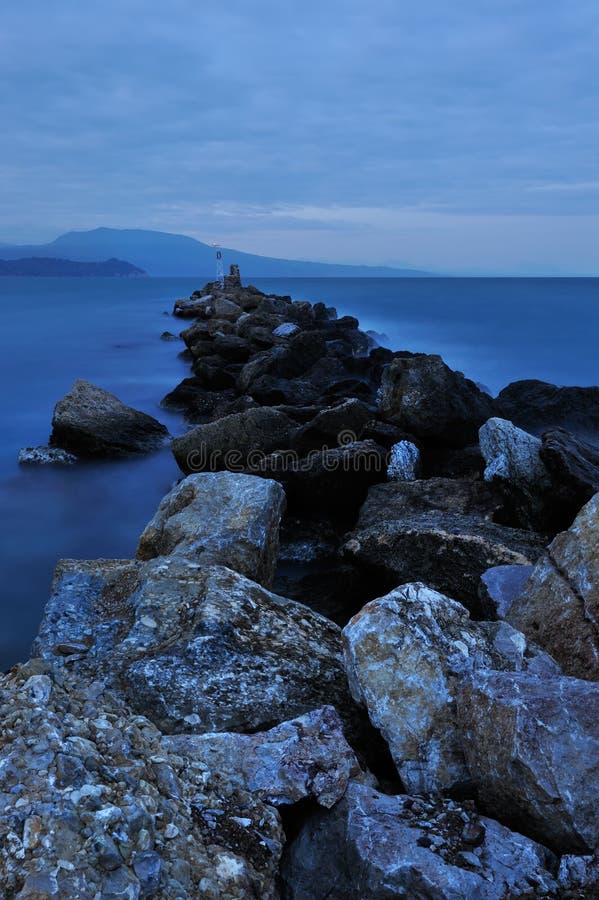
[161,253]
[44,266]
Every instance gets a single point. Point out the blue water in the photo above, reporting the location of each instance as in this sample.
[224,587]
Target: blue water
[107,331]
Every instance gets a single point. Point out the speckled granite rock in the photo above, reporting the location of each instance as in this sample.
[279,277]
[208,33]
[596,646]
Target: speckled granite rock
[219,518]
[45,456]
[559,605]
[512,454]
[304,757]
[380,847]
[405,655]
[92,805]
[404,462]
[532,747]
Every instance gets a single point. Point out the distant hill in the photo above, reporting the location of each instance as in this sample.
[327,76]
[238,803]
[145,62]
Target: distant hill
[54,266]
[160,253]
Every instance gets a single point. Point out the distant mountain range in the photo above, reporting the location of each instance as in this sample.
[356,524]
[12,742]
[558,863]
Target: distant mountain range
[49,266]
[160,253]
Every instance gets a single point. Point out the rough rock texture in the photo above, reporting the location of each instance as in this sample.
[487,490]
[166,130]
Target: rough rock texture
[512,454]
[405,655]
[379,847]
[559,606]
[231,441]
[538,406]
[335,426]
[45,456]
[424,396]
[219,518]
[499,587]
[93,806]
[194,648]
[573,465]
[305,757]
[532,746]
[436,531]
[404,462]
[89,421]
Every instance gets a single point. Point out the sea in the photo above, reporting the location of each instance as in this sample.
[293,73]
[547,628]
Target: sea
[55,330]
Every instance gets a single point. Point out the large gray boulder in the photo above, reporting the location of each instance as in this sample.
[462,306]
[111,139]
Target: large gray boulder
[89,421]
[512,455]
[93,805]
[439,532]
[379,847]
[405,655]
[194,648]
[559,605]
[233,441]
[305,757]
[532,747]
[219,518]
[424,396]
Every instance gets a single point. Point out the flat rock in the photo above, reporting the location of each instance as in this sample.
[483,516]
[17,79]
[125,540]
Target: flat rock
[500,586]
[304,757]
[559,605]
[538,406]
[405,655]
[378,846]
[45,456]
[89,421]
[194,648]
[92,805]
[219,518]
[437,532]
[532,747]
[423,395]
[230,442]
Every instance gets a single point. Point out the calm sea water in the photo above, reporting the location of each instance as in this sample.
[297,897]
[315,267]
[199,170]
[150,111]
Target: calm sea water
[108,331]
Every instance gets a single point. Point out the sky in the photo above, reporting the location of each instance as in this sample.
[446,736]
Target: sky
[455,137]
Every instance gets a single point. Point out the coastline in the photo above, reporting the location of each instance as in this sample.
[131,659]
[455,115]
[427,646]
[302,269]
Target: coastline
[377,457]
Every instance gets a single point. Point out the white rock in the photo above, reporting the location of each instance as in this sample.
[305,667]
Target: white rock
[404,462]
[286,329]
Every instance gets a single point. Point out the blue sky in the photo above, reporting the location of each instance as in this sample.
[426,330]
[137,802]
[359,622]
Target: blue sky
[457,137]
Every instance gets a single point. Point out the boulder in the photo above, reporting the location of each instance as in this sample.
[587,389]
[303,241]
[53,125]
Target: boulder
[436,531]
[424,396]
[226,309]
[499,587]
[334,426]
[305,757]
[194,648]
[405,655]
[92,805]
[380,847]
[229,442]
[532,747]
[286,330]
[89,421]
[404,462]
[538,406]
[573,465]
[219,518]
[45,456]
[559,605]
[191,307]
[512,455]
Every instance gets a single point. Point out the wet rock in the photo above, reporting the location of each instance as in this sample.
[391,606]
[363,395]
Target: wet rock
[305,757]
[115,831]
[499,587]
[532,745]
[512,455]
[538,406]
[378,846]
[45,456]
[573,466]
[405,655]
[89,421]
[219,518]
[436,531]
[229,442]
[424,396]
[169,336]
[195,648]
[559,605]
[404,462]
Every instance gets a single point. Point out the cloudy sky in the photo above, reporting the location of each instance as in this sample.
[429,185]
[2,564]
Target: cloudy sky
[459,137]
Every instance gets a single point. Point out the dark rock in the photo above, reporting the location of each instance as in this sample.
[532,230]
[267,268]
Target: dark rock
[573,466]
[168,336]
[428,399]
[538,406]
[89,421]
[334,426]
[45,456]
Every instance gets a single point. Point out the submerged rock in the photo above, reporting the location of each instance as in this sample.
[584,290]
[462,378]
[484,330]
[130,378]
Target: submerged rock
[532,746]
[376,846]
[89,421]
[559,605]
[45,456]
[219,518]
[405,655]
